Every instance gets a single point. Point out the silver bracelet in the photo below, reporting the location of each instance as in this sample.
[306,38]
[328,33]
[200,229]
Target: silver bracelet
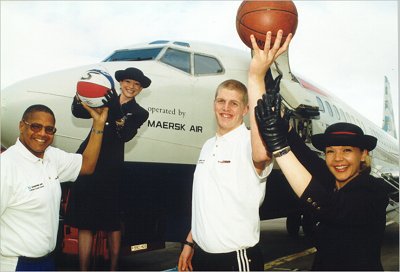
[95,131]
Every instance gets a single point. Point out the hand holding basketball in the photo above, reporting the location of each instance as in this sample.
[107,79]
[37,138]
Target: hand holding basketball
[93,86]
[110,98]
[99,114]
[112,102]
[264,57]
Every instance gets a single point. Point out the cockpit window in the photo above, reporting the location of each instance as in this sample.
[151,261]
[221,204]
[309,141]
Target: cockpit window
[182,60]
[182,44]
[206,65]
[178,59]
[134,55]
[166,41]
[159,42]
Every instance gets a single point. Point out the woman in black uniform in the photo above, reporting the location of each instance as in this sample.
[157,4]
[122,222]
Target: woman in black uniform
[94,204]
[348,202]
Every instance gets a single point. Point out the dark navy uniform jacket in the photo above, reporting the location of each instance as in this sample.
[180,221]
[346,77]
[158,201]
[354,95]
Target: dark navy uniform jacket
[351,221]
[95,199]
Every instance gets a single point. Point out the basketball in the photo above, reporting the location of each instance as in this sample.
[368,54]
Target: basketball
[93,86]
[259,17]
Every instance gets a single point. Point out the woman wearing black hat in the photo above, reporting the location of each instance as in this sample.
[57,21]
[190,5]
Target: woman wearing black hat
[349,203]
[94,203]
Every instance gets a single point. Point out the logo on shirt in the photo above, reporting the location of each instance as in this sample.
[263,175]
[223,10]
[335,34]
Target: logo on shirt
[35,187]
[201,161]
[224,161]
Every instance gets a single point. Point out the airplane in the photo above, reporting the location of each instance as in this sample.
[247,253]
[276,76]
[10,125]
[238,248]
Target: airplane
[160,160]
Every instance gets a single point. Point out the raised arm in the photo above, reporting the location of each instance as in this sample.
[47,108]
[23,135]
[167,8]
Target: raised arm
[92,150]
[274,131]
[261,61]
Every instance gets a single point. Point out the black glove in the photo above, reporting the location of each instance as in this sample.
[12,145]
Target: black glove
[112,102]
[269,80]
[272,87]
[272,127]
[273,94]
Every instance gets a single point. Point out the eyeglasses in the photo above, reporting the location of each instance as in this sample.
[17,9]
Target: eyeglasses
[35,127]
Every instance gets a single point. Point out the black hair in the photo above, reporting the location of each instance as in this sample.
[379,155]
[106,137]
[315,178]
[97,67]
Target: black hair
[37,108]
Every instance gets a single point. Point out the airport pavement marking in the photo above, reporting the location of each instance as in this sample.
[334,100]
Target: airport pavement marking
[282,260]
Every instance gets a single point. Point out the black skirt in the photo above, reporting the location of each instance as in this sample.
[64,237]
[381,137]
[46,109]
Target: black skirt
[94,202]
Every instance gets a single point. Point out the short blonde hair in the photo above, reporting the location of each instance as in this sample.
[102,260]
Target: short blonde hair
[235,85]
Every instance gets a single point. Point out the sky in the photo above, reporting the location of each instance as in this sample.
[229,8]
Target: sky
[344,47]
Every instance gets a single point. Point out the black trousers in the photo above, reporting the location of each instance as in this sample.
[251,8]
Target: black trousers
[249,259]
[45,263]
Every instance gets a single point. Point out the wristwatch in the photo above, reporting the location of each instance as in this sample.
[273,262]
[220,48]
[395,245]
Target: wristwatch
[188,243]
[281,152]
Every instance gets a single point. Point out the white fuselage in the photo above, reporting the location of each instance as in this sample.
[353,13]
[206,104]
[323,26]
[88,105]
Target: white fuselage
[180,102]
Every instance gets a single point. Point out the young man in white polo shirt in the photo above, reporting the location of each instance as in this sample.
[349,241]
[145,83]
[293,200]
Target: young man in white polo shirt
[229,180]
[31,172]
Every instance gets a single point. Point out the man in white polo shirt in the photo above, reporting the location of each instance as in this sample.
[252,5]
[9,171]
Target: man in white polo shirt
[229,180]
[31,172]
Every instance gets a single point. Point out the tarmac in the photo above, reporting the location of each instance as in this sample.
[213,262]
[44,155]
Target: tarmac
[281,252]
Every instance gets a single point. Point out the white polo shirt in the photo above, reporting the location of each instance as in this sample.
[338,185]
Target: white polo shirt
[227,194]
[30,200]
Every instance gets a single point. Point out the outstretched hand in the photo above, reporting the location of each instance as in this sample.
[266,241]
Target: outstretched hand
[273,92]
[272,127]
[264,57]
